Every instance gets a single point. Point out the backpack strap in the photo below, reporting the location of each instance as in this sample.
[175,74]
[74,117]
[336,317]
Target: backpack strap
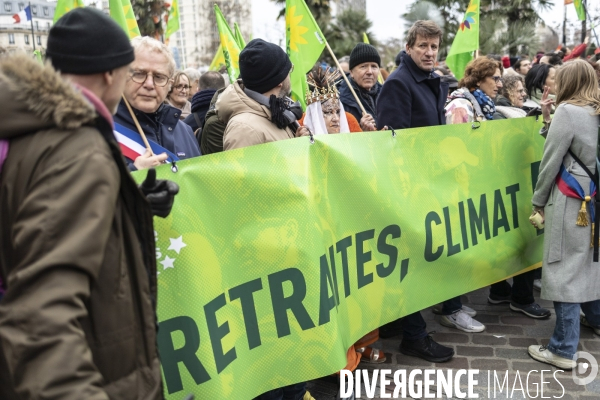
[197,119]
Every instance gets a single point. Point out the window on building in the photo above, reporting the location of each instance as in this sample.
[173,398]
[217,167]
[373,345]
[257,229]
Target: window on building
[180,17]
[180,10]
[11,38]
[26,39]
[21,6]
[37,25]
[8,7]
[34,9]
[39,40]
[46,13]
[48,25]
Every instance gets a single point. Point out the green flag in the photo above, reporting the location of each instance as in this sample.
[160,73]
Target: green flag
[465,42]
[238,36]
[218,60]
[231,49]
[122,12]
[304,44]
[173,20]
[64,6]
[365,38]
[580,9]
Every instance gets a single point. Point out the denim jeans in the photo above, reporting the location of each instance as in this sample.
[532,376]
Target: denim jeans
[451,306]
[565,338]
[292,392]
[521,291]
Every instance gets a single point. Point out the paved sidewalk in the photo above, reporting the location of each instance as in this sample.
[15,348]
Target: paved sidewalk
[501,347]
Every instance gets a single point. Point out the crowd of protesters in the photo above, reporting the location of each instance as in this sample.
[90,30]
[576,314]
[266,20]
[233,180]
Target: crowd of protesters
[77,266]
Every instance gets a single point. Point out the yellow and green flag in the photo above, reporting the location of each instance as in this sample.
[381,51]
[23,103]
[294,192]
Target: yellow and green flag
[465,42]
[238,36]
[218,60]
[173,20]
[366,40]
[64,6]
[580,8]
[231,48]
[122,12]
[304,44]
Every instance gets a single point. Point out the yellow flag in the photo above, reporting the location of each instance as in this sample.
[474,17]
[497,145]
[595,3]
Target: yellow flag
[122,12]
[218,60]
[231,49]
[64,6]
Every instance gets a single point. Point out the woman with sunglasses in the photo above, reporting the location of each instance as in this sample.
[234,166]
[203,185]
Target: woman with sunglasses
[474,100]
[178,95]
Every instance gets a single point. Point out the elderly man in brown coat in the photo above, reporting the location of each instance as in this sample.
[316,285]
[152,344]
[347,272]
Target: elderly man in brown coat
[77,256]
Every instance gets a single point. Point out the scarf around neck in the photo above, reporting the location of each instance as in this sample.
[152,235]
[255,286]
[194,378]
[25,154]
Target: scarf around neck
[488,108]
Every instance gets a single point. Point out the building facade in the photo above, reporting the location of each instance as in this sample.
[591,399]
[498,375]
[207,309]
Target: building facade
[197,40]
[14,36]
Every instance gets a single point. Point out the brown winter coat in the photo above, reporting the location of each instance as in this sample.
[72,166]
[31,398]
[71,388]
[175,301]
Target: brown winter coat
[76,250]
[248,123]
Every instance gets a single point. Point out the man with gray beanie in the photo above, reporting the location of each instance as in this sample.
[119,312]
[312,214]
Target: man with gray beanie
[256,108]
[364,70]
[77,256]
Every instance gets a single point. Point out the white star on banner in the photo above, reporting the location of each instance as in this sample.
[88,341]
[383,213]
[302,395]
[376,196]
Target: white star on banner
[177,244]
[168,262]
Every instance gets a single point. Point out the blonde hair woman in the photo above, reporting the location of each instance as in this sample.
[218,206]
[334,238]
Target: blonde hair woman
[178,95]
[571,278]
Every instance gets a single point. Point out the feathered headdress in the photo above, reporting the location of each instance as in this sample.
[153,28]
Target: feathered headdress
[322,85]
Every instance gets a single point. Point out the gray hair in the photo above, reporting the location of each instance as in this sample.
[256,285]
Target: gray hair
[193,74]
[150,44]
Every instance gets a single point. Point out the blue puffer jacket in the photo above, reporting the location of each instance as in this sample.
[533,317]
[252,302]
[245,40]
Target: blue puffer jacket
[163,127]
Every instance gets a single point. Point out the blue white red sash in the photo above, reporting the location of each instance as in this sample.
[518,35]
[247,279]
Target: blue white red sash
[132,145]
[569,186]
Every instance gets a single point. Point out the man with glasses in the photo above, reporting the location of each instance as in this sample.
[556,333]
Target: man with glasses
[146,89]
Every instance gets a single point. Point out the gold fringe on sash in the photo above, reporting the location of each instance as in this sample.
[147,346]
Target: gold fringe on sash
[582,219]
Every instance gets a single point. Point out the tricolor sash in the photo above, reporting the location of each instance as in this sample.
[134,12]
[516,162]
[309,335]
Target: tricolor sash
[132,145]
[569,186]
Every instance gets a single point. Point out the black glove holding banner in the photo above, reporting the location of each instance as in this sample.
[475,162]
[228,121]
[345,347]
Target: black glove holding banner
[159,193]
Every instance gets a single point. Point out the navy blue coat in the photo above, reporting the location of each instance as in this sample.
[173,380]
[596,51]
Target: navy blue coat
[410,98]
[162,127]
[368,99]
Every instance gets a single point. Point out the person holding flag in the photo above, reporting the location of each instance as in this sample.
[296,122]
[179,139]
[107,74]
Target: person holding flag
[148,83]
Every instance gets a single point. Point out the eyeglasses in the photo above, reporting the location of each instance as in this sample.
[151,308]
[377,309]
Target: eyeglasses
[181,86]
[141,76]
[497,79]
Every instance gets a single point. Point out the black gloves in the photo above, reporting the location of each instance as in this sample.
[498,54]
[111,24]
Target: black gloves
[159,193]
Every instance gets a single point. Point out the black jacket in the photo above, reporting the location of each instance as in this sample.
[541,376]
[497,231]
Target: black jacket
[367,98]
[200,105]
[411,98]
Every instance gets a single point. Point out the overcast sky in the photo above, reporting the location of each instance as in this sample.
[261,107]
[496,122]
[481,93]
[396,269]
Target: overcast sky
[385,15]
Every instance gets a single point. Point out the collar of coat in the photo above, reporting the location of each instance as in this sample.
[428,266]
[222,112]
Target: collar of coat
[34,97]
[418,74]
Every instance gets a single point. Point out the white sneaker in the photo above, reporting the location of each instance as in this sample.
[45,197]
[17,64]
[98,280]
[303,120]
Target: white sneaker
[537,285]
[437,309]
[542,354]
[585,322]
[462,321]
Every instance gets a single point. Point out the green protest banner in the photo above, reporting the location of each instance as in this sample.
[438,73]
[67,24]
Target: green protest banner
[277,258]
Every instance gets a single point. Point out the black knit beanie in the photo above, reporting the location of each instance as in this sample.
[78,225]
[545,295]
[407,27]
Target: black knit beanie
[86,41]
[363,53]
[263,65]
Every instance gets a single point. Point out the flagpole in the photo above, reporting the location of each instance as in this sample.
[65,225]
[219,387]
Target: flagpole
[137,125]
[32,33]
[591,22]
[346,79]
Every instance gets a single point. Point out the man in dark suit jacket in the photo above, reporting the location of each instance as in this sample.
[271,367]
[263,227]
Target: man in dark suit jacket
[413,96]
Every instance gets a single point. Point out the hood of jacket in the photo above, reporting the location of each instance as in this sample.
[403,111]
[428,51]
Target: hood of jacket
[34,97]
[502,101]
[233,101]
